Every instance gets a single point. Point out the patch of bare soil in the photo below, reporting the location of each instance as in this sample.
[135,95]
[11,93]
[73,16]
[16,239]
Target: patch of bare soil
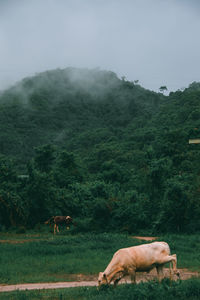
[76,277]
[15,241]
[184,274]
[21,241]
[91,280]
[145,238]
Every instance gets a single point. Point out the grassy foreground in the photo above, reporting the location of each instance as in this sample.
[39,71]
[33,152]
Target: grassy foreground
[56,258]
[189,289]
[28,258]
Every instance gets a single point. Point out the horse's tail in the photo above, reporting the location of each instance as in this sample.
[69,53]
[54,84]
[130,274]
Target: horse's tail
[49,221]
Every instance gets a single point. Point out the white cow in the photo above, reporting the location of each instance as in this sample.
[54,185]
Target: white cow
[142,258]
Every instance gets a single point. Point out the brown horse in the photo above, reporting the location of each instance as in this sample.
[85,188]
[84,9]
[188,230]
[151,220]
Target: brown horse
[59,220]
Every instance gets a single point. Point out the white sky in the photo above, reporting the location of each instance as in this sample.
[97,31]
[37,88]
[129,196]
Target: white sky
[154,41]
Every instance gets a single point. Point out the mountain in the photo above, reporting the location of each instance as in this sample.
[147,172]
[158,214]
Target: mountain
[58,106]
[102,149]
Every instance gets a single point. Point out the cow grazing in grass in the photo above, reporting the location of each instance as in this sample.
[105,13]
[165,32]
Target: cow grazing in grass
[59,220]
[142,258]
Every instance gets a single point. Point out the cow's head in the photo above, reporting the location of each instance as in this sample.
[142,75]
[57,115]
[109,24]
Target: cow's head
[102,279]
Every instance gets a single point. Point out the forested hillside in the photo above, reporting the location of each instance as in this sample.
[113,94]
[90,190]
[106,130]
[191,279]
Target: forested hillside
[104,150]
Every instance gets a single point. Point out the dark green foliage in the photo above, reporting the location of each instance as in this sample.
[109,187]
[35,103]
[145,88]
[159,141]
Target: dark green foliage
[106,151]
[14,208]
[44,158]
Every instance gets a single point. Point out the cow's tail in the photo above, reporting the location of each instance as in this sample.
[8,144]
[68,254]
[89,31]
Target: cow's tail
[170,271]
[170,266]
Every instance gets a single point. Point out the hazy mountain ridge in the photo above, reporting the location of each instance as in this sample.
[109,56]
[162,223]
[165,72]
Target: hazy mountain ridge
[45,108]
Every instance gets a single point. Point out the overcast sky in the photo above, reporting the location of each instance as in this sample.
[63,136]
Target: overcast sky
[154,41]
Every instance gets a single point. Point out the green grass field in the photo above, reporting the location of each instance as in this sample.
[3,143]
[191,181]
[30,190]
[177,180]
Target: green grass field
[28,258]
[44,257]
[184,290]
[56,258]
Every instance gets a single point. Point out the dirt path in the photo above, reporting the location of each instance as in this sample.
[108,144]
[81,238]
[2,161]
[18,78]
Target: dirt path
[46,285]
[22,241]
[145,238]
[184,273]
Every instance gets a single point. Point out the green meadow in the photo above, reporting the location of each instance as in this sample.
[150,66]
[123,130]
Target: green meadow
[29,258]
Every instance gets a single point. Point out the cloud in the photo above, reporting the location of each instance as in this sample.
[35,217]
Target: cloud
[154,41]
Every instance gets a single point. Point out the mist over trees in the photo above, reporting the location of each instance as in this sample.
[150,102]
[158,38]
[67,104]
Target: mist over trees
[104,150]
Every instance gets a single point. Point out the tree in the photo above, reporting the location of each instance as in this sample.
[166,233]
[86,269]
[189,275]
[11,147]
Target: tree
[13,207]
[67,170]
[44,158]
[40,192]
[163,89]
[175,207]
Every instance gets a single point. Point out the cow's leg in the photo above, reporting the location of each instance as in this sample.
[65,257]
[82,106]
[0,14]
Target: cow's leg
[173,259]
[57,228]
[120,276]
[160,273]
[133,275]
[54,228]
[116,281]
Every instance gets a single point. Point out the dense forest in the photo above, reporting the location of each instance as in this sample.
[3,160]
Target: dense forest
[104,150]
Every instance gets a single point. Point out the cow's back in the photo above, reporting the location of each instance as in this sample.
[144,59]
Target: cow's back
[147,256]
[142,257]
